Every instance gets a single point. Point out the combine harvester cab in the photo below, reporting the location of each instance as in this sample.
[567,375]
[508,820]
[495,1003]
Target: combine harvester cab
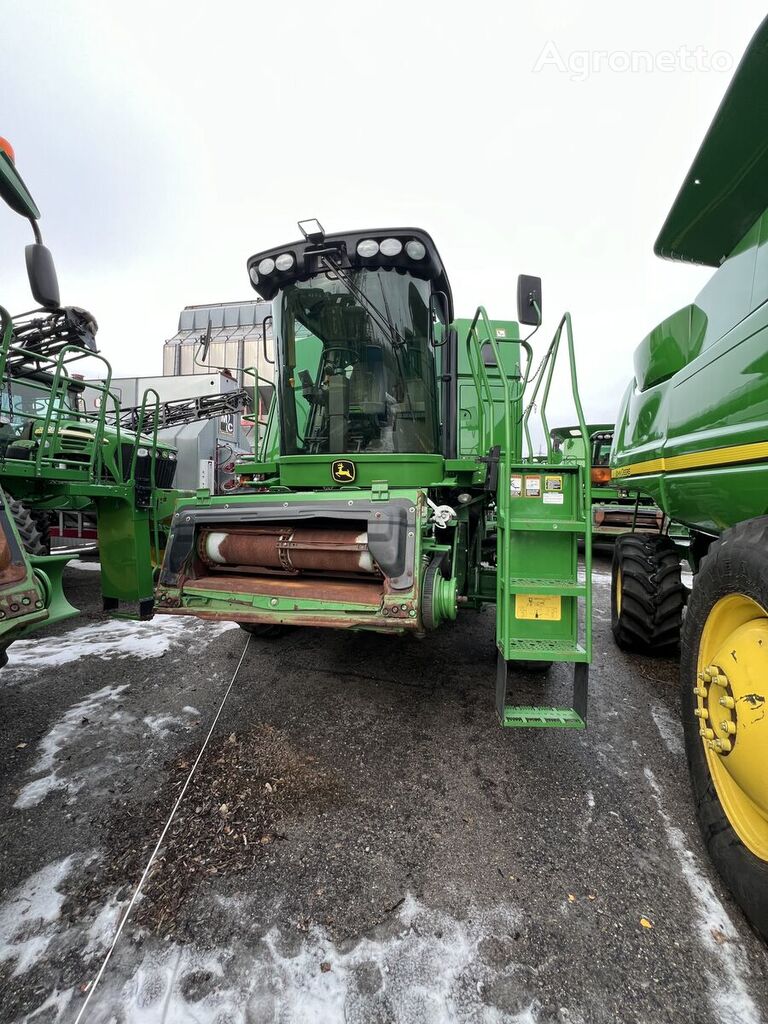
[390,490]
[692,433]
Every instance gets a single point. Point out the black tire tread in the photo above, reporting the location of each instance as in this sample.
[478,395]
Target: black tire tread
[32,539]
[653,595]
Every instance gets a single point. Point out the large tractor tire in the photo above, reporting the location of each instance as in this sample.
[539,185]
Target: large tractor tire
[647,593]
[724,680]
[28,525]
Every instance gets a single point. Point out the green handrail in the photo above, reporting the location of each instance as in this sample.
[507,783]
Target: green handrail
[566,322]
[57,413]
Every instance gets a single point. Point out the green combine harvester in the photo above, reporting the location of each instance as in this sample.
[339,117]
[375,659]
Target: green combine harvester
[614,509]
[391,490]
[692,433]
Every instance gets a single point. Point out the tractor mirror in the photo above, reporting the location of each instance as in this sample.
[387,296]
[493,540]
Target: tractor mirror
[529,300]
[42,276]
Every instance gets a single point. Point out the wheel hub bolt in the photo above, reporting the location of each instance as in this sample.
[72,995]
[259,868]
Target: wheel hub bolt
[728,728]
[722,746]
[701,713]
[700,691]
[707,734]
[727,702]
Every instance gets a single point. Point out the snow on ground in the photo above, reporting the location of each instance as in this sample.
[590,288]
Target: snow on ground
[728,983]
[161,724]
[77,563]
[28,916]
[670,728]
[95,708]
[428,968]
[114,638]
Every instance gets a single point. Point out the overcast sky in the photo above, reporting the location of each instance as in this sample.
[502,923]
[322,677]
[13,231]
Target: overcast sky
[166,142]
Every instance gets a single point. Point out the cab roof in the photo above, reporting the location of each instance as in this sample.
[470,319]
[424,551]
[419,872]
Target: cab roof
[726,189]
[308,255]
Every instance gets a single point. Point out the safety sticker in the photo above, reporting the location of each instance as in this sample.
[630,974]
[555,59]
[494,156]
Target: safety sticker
[515,486]
[553,483]
[501,332]
[538,606]
[533,487]
[551,498]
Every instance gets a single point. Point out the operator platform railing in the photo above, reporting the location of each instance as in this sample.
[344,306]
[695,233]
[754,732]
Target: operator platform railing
[70,441]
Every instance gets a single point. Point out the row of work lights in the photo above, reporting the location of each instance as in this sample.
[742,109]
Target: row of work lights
[367,248]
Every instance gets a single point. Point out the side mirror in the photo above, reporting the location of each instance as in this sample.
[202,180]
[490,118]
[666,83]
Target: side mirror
[528,298]
[42,276]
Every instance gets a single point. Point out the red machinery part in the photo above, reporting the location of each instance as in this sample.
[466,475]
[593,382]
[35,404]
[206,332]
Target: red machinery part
[288,549]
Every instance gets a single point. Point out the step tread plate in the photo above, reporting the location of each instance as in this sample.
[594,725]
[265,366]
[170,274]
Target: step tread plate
[529,717]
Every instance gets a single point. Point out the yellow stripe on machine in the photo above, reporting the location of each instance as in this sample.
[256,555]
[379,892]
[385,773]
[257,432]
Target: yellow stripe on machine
[695,460]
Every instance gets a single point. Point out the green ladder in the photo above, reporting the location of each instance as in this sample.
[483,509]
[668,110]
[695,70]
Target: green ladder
[543,607]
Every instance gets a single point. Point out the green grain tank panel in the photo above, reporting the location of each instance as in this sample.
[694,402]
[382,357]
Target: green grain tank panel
[691,427]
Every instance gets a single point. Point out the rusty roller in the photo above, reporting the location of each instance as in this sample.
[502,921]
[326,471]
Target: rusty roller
[288,549]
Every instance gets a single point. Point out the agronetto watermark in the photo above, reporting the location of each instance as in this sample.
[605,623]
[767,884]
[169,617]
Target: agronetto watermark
[582,64]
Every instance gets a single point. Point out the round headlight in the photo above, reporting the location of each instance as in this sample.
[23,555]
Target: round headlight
[391,247]
[285,261]
[415,249]
[142,453]
[267,266]
[367,248]
[254,275]
[172,456]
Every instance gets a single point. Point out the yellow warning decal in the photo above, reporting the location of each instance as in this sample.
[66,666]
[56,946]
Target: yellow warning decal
[538,606]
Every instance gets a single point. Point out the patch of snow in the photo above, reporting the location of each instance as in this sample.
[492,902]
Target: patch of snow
[670,729]
[77,563]
[116,638]
[102,930]
[161,725]
[94,707]
[425,968]
[57,1002]
[728,993]
[189,710]
[28,916]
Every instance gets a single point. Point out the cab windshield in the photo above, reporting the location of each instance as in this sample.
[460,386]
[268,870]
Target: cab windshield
[356,366]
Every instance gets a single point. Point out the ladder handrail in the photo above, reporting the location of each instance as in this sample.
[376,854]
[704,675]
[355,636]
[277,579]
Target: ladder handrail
[58,387]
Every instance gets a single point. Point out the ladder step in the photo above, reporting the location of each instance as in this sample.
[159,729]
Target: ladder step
[523,585]
[546,525]
[544,650]
[541,718]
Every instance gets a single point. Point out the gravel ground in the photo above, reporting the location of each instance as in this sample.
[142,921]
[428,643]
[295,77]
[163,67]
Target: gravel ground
[362,843]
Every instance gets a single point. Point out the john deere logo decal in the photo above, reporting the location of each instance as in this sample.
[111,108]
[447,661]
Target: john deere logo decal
[343,471]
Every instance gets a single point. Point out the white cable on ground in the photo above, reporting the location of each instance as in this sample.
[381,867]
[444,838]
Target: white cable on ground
[159,843]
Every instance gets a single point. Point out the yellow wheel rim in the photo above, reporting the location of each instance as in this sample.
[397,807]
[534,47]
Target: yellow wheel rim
[732,707]
[618,592]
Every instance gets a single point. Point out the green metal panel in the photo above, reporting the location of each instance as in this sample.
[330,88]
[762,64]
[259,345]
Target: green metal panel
[727,186]
[125,550]
[14,191]
[691,429]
